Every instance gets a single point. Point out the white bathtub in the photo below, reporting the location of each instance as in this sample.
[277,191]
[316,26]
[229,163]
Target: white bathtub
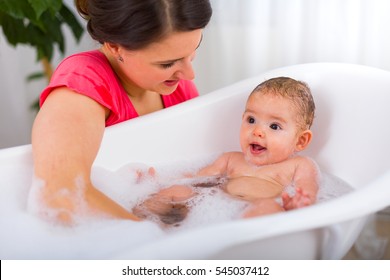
[351,138]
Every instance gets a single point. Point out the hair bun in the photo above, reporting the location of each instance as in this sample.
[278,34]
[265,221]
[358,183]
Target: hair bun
[82,8]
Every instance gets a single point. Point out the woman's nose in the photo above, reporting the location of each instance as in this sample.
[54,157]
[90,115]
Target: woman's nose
[186,72]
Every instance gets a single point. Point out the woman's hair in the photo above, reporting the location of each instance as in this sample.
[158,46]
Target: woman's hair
[297,91]
[134,24]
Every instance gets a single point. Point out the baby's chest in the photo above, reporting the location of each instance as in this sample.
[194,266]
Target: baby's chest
[278,174]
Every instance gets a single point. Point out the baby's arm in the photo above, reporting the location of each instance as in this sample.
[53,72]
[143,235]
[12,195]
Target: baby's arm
[218,167]
[306,182]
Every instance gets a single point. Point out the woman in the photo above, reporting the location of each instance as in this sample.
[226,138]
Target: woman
[143,65]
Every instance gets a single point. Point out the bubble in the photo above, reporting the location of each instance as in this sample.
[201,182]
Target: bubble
[211,204]
[332,186]
[24,235]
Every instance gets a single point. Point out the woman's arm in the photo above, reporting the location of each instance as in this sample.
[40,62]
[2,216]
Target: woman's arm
[66,137]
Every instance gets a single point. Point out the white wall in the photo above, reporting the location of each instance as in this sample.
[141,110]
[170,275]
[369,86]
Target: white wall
[248,37]
[16,94]
[244,38]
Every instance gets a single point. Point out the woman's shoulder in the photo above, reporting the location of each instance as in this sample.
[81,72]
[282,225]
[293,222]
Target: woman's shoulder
[93,58]
[90,68]
[91,54]
[88,73]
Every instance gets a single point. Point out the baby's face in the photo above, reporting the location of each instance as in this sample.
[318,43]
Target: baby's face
[269,131]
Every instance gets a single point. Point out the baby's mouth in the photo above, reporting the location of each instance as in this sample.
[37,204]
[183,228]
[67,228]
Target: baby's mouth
[256,148]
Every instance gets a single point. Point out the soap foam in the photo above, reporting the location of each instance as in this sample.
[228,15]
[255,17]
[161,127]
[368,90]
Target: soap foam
[24,235]
[210,205]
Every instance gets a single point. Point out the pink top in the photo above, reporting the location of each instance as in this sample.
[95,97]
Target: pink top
[90,73]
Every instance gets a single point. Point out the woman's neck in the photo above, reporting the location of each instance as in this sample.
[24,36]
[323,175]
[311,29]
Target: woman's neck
[144,101]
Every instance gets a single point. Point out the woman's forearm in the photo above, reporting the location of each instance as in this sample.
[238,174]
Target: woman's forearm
[66,138]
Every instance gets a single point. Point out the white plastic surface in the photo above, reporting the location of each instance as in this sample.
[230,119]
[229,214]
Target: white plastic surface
[351,141]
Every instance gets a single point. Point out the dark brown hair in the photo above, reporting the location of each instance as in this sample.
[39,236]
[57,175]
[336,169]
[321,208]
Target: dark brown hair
[134,24]
[296,91]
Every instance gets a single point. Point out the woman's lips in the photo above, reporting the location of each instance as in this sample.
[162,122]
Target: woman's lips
[171,83]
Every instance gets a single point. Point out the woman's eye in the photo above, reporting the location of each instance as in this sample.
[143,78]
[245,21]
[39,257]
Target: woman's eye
[166,66]
[274,126]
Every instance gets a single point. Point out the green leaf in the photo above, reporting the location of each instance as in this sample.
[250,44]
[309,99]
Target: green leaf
[38,23]
[70,19]
[14,29]
[43,43]
[54,31]
[40,6]
[18,9]
[35,105]
[35,76]
[13,8]
[45,50]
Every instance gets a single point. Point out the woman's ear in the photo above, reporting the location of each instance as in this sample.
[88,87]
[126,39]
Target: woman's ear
[303,140]
[113,49]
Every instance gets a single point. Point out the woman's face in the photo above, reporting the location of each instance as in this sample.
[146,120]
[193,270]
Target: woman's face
[160,66]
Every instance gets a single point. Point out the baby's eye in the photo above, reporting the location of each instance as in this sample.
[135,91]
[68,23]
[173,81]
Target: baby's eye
[275,126]
[251,120]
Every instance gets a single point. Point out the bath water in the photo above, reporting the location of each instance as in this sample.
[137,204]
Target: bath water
[210,205]
[25,236]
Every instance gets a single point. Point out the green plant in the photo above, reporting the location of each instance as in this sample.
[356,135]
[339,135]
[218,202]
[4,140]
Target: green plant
[38,23]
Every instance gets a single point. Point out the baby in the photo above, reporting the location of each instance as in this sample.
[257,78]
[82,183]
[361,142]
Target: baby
[275,127]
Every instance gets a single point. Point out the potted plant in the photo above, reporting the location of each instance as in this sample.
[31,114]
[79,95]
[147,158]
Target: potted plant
[38,23]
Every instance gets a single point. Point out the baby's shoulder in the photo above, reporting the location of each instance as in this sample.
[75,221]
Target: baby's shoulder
[304,161]
[233,156]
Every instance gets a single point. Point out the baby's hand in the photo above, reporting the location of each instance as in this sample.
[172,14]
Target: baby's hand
[299,200]
[137,173]
[141,175]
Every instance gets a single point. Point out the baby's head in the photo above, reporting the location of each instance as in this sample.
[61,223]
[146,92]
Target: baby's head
[277,120]
[297,92]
